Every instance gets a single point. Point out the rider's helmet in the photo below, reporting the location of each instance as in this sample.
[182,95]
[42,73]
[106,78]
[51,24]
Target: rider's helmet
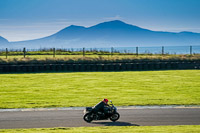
[105,101]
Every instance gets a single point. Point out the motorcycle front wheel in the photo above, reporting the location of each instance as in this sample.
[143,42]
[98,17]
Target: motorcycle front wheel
[115,117]
[87,117]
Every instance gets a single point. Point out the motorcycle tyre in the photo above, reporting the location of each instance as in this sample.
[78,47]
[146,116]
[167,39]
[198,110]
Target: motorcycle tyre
[118,115]
[86,116]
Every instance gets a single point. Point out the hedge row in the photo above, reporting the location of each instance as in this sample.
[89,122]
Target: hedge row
[99,67]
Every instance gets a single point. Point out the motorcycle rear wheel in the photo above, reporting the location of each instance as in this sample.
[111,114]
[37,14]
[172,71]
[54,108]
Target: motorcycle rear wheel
[87,117]
[115,117]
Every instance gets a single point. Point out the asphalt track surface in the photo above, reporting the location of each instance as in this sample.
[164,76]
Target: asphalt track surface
[73,118]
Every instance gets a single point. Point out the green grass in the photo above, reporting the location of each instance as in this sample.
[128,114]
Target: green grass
[58,52]
[106,56]
[41,59]
[44,56]
[127,129]
[181,87]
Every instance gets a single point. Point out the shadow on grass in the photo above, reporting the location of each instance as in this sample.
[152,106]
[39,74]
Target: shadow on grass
[118,123]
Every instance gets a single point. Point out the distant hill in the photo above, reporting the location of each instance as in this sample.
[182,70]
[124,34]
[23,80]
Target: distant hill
[3,40]
[111,34]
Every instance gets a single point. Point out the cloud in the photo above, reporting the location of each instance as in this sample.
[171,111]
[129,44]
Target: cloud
[117,17]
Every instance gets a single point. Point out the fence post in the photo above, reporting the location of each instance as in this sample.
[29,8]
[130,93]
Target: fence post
[24,52]
[163,50]
[137,51]
[190,50]
[83,52]
[6,53]
[54,52]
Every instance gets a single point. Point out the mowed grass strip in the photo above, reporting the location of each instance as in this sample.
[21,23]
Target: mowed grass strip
[181,87]
[114,129]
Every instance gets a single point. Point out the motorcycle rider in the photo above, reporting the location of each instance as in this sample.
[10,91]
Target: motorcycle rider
[102,106]
[101,111]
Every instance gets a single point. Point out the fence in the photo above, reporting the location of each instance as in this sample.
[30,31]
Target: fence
[163,50]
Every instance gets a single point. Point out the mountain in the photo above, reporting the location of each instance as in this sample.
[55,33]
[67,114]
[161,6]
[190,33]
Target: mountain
[3,40]
[111,34]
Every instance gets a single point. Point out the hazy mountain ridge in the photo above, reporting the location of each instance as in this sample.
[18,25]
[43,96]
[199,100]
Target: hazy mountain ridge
[3,40]
[111,34]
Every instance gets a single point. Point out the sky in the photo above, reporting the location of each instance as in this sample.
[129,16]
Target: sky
[31,19]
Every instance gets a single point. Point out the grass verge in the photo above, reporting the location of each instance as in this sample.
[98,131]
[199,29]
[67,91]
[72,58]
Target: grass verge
[127,129]
[62,59]
[181,87]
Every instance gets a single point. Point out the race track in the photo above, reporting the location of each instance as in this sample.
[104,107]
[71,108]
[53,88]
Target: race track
[73,118]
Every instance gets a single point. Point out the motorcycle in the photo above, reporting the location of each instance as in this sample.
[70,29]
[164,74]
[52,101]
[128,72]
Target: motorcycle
[111,114]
